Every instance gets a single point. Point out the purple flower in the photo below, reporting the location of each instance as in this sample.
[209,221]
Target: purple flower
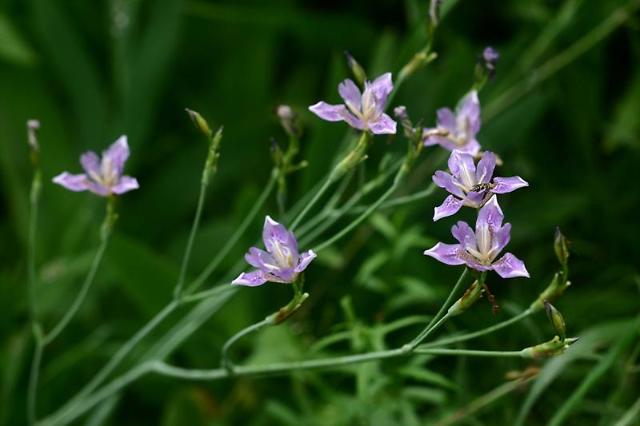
[479,250]
[457,130]
[471,185]
[103,176]
[363,111]
[281,262]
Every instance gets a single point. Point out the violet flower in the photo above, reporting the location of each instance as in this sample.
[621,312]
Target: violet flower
[361,110]
[281,262]
[103,176]
[479,250]
[470,185]
[457,130]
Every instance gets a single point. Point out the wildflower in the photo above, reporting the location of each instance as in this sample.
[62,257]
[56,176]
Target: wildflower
[479,250]
[103,176]
[470,185]
[361,110]
[281,262]
[490,57]
[457,131]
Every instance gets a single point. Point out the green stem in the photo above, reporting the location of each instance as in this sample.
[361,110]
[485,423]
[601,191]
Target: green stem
[564,58]
[226,362]
[364,215]
[34,378]
[231,242]
[440,318]
[177,292]
[402,200]
[485,331]
[105,234]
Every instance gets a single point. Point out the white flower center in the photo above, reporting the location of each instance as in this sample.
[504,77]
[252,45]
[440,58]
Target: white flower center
[282,254]
[483,251]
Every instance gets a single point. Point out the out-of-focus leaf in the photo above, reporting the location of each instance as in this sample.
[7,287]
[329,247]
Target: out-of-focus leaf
[13,47]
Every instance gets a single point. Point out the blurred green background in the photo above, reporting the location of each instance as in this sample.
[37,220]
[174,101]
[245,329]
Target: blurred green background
[563,112]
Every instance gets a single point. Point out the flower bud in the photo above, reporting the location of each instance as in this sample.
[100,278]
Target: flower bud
[470,296]
[200,123]
[561,247]
[552,292]
[553,347]
[288,120]
[490,58]
[32,134]
[400,113]
[434,12]
[356,69]
[556,319]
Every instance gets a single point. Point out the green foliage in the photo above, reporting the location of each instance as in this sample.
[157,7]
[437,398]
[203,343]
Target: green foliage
[563,112]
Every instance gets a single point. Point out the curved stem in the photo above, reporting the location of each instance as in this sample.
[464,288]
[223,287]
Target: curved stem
[226,363]
[327,183]
[105,234]
[440,318]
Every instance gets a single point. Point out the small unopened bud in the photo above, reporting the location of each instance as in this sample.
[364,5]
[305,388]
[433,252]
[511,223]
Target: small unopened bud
[556,319]
[469,297]
[561,247]
[356,69]
[490,58]
[200,123]
[552,292]
[211,165]
[32,134]
[553,347]
[288,120]
[401,114]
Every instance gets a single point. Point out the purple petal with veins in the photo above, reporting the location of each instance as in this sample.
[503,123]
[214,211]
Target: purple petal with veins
[449,207]
[508,184]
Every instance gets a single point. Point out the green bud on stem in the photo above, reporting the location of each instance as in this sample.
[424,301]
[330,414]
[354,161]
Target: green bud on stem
[556,318]
[470,296]
[553,347]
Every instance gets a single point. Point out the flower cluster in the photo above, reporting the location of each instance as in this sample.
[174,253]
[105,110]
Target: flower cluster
[472,184]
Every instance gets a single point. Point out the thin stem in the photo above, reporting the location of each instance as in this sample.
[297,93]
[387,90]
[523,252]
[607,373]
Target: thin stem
[402,200]
[564,58]
[231,242]
[364,215]
[327,183]
[34,378]
[105,233]
[470,352]
[177,292]
[124,350]
[484,331]
[440,318]
[226,362]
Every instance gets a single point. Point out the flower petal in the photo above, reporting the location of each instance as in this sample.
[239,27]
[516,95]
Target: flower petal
[277,238]
[117,153]
[508,184]
[469,110]
[485,168]
[328,112]
[72,182]
[490,214]
[445,253]
[350,93]
[384,125]
[463,167]
[446,119]
[126,184]
[510,266]
[462,232]
[500,238]
[445,180]
[471,147]
[305,260]
[381,88]
[90,163]
[250,279]
[449,207]
[260,259]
